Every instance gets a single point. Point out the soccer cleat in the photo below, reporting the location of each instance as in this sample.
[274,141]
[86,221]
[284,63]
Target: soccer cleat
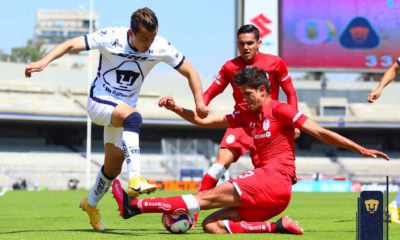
[126,209]
[394,213]
[195,217]
[139,185]
[287,225]
[94,215]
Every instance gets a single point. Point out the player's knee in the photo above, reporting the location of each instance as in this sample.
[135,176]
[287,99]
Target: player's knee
[213,226]
[133,122]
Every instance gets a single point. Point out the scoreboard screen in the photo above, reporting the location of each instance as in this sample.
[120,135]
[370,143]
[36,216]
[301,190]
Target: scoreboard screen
[331,34]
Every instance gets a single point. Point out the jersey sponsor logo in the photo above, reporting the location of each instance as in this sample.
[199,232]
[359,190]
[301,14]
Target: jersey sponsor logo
[262,135]
[230,139]
[117,93]
[134,57]
[103,32]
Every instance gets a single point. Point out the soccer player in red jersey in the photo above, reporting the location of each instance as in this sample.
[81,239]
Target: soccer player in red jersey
[258,195]
[235,141]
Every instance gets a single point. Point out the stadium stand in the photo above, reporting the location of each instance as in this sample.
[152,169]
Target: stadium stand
[59,96]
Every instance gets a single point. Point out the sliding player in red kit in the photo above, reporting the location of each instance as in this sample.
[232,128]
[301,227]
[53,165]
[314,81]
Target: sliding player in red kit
[252,198]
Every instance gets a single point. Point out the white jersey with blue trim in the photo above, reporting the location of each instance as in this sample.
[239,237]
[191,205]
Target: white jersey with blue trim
[122,70]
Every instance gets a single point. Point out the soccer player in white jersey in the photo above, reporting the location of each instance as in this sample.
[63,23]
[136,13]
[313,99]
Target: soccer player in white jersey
[126,57]
[390,74]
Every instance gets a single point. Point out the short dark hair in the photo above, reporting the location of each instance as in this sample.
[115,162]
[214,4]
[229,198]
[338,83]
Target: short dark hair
[144,17]
[253,77]
[249,28]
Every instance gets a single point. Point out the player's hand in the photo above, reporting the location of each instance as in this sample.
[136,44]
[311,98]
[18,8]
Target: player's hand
[374,154]
[202,111]
[296,133]
[34,67]
[374,95]
[167,102]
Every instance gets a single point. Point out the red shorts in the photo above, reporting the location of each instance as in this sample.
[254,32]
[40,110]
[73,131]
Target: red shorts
[238,140]
[264,193]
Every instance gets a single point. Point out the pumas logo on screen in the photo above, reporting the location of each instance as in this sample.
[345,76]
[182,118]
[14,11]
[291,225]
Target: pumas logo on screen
[359,34]
[315,31]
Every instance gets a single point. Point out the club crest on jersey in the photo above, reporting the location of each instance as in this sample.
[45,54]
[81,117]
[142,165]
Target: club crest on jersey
[230,139]
[266,124]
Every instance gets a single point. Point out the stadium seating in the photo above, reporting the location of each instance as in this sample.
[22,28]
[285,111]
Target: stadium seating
[63,92]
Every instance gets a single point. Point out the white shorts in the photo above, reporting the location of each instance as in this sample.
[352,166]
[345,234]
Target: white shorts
[100,110]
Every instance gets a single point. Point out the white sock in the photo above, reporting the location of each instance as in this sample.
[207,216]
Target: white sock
[217,170]
[191,203]
[99,189]
[130,143]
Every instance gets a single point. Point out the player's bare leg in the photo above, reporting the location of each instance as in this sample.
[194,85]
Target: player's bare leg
[214,222]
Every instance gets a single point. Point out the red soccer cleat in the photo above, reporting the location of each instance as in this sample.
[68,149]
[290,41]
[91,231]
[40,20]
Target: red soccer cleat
[287,225]
[126,209]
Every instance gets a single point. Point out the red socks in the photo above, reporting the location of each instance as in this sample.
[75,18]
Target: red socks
[170,205]
[208,182]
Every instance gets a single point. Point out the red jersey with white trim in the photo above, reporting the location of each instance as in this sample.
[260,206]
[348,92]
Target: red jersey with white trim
[272,129]
[275,68]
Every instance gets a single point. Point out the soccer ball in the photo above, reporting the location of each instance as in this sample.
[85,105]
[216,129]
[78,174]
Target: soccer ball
[177,223]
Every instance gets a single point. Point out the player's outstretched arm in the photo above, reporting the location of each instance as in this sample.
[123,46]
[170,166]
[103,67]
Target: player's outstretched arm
[73,45]
[389,75]
[191,116]
[187,70]
[326,136]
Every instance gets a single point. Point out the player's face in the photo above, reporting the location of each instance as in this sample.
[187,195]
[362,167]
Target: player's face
[247,46]
[252,96]
[143,39]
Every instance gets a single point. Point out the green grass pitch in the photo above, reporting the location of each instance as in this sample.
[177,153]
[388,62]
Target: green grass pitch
[55,215]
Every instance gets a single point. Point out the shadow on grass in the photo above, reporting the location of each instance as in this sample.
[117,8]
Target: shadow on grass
[112,231]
